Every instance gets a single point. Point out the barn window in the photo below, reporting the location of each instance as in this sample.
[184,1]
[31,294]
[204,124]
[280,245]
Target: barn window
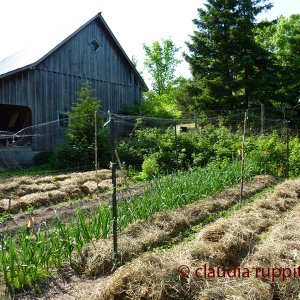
[63,119]
[95,44]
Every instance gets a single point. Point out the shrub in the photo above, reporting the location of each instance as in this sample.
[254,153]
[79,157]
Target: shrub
[79,148]
[150,167]
[294,160]
[210,144]
[270,154]
[63,156]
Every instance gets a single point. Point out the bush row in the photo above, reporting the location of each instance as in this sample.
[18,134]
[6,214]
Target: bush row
[155,151]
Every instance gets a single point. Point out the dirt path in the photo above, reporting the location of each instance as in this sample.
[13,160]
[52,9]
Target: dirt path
[65,286]
[64,209]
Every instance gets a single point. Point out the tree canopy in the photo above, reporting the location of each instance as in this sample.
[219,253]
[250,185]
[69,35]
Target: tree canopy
[282,39]
[230,68]
[161,63]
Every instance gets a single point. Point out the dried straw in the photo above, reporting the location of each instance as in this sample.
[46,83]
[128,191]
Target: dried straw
[219,244]
[45,190]
[144,235]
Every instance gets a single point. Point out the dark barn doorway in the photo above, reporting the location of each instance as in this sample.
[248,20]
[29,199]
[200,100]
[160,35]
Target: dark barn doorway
[13,118]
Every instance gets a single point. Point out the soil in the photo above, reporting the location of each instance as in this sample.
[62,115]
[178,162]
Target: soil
[64,209]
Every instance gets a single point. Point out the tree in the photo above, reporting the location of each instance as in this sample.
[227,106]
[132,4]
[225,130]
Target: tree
[161,64]
[282,39]
[229,67]
[80,132]
[79,147]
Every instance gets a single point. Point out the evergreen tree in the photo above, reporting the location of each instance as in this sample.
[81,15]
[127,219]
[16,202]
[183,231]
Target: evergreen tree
[79,147]
[229,67]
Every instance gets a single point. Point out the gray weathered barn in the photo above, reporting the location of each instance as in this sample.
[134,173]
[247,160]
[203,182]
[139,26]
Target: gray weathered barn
[39,88]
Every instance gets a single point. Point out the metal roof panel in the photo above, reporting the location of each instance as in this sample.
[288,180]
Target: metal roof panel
[34,54]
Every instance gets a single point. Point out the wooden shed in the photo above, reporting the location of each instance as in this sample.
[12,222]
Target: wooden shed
[37,87]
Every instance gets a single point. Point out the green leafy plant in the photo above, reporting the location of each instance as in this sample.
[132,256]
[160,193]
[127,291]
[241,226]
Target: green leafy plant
[79,148]
[150,167]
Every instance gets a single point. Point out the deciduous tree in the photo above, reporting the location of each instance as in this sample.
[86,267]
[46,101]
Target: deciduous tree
[161,63]
[282,39]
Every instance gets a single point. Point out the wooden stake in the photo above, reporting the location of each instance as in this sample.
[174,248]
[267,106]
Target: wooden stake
[262,118]
[176,149]
[114,191]
[243,156]
[96,154]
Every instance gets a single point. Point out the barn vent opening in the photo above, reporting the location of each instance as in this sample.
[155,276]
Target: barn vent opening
[14,118]
[95,44]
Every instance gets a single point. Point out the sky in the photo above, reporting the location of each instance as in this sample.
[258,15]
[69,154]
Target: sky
[133,22]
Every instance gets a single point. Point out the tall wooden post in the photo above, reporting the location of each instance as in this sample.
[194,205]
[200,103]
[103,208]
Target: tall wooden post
[114,187]
[243,156]
[196,119]
[287,140]
[262,118]
[96,153]
[176,143]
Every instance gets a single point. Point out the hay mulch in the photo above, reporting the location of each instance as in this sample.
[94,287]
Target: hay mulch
[142,236]
[278,255]
[26,191]
[222,244]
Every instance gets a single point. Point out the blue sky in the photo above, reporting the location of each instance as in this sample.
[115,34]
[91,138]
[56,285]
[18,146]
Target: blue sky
[133,22]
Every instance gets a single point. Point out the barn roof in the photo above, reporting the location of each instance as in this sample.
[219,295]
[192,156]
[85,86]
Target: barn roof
[30,57]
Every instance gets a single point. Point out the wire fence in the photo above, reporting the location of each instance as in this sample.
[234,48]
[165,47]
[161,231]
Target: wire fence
[18,148]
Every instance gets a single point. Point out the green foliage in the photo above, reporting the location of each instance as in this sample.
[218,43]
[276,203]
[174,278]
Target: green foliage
[229,67]
[161,105]
[269,152]
[159,150]
[79,148]
[190,148]
[81,128]
[161,63]
[282,39]
[150,167]
[63,156]
[294,158]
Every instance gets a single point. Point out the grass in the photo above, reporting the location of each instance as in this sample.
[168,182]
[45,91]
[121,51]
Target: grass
[41,170]
[4,216]
[26,259]
[31,171]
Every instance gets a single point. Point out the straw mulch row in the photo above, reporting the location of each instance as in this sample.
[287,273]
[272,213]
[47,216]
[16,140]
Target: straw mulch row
[222,244]
[145,235]
[37,191]
[274,267]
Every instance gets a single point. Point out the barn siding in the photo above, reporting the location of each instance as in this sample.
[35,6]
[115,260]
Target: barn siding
[50,86]
[76,57]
